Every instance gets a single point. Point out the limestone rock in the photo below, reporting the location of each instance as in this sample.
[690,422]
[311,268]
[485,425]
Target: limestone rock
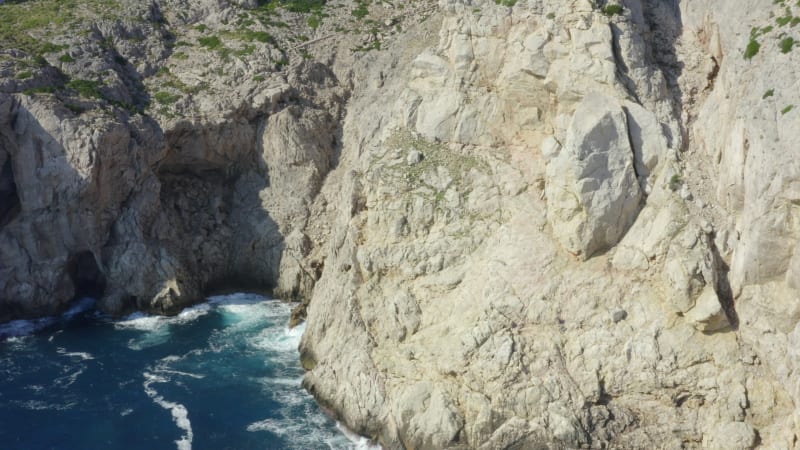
[708,314]
[593,195]
[419,197]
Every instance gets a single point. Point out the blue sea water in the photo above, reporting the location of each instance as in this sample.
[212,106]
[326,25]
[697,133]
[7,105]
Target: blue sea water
[221,375]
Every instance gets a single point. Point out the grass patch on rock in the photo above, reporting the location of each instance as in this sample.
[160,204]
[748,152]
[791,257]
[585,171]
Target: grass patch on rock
[210,42]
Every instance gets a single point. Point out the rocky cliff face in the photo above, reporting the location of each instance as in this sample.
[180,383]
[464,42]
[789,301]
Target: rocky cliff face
[519,224]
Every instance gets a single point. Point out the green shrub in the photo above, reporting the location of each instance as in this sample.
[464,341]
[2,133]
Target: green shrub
[247,50]
[166,98]
[508,3]
[258,78]
[786,44]
[768,94]
[787,109]
[210,42]
[66,58]
[48,47]
[40,90]
[260,36]
[24,75]
[611,10]
[675,182]
[362,10]
[752,49]
[86,88]
[314,21]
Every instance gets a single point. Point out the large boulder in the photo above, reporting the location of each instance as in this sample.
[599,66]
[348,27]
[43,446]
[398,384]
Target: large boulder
[593,195]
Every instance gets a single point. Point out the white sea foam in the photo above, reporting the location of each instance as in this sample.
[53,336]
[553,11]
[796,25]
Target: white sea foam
[279,340]
[157,328]
[278,381]
[69,379]
[82,355]
[38,405]
[140,321]
[20,328]
[143,322]
[359,442]
[125,412]
[180,415]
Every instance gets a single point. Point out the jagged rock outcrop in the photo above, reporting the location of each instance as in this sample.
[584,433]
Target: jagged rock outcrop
[592,191]
[584,126]
[110,195]
[530,224]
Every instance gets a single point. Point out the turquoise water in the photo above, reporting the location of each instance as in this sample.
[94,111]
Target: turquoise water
[221,375]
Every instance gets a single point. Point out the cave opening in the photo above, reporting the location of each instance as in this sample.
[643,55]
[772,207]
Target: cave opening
[9,200]
[88,279]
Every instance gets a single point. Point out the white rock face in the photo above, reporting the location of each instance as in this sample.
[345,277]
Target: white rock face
[592,192]
[583,139]
[532,226]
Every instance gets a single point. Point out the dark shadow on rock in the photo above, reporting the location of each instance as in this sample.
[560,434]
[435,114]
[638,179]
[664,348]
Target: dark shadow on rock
[661,36]
[86,276]
[9,200]
[42,224]
[723,287]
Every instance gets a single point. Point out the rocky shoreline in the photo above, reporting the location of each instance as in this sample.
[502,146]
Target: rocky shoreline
[514,224]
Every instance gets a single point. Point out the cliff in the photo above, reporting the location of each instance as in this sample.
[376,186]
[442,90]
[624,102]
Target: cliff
[516,224]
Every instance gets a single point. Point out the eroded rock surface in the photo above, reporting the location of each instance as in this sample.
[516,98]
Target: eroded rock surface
[531,224]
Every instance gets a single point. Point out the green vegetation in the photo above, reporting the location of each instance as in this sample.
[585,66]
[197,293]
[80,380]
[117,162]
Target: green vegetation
[281,63]
[258,78]
[66,58]
[210,42]
[374,45]
[768,94]
[611,10]
[40,90]
[48,47]
[752,49]
[787,109]
[30,25]
[362,10]
[675,182]
[86,88]
[551,16]
[24,75]
[782,18]
[434,156]
[508,3]
[296,6]
[250,36]
[247,50]
[786,44]
[166,98]
[314,21]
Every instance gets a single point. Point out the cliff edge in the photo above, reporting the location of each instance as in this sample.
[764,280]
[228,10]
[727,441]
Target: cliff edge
[514,224]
